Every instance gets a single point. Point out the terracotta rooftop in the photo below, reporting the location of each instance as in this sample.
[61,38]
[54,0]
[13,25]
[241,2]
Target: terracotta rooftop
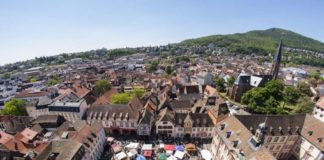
[106,98]
[313,131]
[320,102]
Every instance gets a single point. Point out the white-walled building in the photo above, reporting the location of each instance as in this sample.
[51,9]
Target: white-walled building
[319,109]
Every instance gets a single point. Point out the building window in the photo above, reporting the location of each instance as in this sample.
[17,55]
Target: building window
[276,139]
[271,147]
[269,139]
[278,147]
[282,139]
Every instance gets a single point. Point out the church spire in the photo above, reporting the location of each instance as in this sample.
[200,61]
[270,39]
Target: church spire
[276,62]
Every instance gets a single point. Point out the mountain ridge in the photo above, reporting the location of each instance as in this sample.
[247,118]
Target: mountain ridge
[258,41]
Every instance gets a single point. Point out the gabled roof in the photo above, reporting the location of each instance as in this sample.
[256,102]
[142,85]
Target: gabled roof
[147,116]
[275,124]
[166,115]
[313,131]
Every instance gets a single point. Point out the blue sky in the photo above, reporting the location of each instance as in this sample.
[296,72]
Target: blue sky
[49,27]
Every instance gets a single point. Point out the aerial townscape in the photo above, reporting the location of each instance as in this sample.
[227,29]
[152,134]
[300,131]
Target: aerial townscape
[213,98]
[161,80]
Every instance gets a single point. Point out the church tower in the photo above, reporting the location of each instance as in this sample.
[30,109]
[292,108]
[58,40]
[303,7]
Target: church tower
[276,62]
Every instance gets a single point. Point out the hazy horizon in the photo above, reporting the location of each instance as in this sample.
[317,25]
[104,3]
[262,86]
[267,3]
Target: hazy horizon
[36,28]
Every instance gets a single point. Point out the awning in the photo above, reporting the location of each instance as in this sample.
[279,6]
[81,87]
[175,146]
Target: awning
[179,154]
[147,153]
[180,148]
[170,147]
[121,155]
[206,154]
[147,147]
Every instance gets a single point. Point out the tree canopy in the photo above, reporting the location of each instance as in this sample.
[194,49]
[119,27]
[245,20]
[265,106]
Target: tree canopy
[101,86]
[220,84]
[230,81]
[267,99]
[121,98]
[14,107]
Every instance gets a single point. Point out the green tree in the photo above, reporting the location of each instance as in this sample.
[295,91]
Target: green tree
[14,107]
[6,76]
[101,86]
[121,98]
[291,95]
[152,66]
[316,75]
[304,89]
[53,80]
[230,81]
[275,88]
[220,84]
[168,70]
[139,92]
[304,105]
[266,99]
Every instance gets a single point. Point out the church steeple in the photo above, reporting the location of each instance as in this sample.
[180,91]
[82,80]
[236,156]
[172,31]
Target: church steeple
[276,62]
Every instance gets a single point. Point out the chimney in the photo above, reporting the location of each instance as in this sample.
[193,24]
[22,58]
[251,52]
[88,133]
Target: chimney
[319,140]
[310,133]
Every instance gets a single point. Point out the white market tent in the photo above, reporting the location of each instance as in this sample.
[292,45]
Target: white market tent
[161,145]
[172,158]
[147,147]
[168,152]
[206,154]
[133,145]
[121,155]
[179,154]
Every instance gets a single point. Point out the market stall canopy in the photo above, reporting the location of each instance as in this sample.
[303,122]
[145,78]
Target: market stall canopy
[206,154]
[147,153]
[172,158]
[161,145]
[110,139]
[169,152]
[170,147]
[121,156]
[179,148]
[190,147]
[133,145]
[116,148]
[179,154]
[162,156]
[140,157]
[147,147]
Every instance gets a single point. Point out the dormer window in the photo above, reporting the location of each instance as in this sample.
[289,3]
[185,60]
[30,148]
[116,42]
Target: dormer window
[310,133]
[235,144]
[319,140]
[228,134]
[280,129]
[222,126]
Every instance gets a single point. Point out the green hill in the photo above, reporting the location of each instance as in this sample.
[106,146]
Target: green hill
[258,41]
